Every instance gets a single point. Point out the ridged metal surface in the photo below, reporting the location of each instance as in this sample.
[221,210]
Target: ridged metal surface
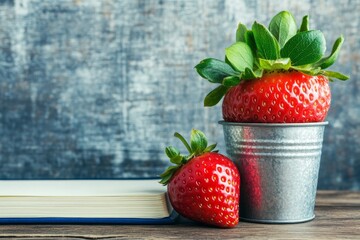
[279,166]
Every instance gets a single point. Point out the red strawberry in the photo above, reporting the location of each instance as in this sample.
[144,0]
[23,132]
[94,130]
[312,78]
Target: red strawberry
[275,74]
[278,97]
[203,186]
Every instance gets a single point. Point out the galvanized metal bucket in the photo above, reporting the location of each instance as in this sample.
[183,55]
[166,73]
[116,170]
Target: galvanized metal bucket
[279,166]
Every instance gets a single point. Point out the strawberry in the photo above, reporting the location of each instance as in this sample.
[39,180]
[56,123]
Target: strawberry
[273,74]
[204,185]
[279,97]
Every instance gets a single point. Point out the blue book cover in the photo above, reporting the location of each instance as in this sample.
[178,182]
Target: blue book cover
[85,202]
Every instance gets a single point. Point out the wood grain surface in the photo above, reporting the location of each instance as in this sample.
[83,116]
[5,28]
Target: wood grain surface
[96,89]
[337,217]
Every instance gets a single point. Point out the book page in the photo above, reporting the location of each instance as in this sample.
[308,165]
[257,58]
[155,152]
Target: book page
[80,187]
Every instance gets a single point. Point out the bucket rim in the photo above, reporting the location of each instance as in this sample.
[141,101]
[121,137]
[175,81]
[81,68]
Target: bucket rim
[240,124]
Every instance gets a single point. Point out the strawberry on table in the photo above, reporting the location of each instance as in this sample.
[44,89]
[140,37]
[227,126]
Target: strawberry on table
[273,74]
[203,185]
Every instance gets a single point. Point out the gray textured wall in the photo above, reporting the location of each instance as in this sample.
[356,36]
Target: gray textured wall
[95,89]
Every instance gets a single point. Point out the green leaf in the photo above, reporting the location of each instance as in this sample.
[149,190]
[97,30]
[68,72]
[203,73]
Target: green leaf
[304,24]
[307,69]
[330,60]
[177,159]
[215,96]
[250,40]
[183,140]
[214,70]
[165,179]
[210,148]
[332,74]
[283,27]
[231,81]
[171,152]
[251,74]
[240,56]
[281,63]
[198,141]
[166,176]
[305,48]
[267,45]
[240,33]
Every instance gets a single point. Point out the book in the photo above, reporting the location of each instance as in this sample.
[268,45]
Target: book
[85,201]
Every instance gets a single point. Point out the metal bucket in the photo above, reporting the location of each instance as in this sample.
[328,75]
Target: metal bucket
[279,167]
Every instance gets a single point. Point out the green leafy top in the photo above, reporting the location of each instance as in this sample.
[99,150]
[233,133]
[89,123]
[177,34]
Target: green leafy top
[198,146]
[281,46]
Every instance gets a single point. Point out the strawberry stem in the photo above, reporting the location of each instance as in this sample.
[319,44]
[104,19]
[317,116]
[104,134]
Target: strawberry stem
[199,146]
[182,139]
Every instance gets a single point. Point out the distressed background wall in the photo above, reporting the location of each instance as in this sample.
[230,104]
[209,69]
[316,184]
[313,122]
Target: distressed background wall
[95,89]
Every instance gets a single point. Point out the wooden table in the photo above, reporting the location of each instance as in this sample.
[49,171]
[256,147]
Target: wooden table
[337,217]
